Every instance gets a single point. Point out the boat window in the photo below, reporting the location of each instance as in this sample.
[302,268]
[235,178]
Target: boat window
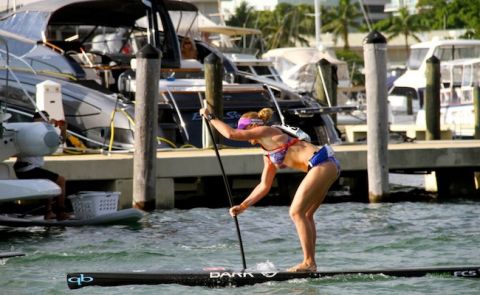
[467,78]
[245,69]
[263,71]
[38,59]
[457,52]
[417,55]
[15,95]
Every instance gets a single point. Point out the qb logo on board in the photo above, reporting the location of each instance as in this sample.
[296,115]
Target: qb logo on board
[80,279]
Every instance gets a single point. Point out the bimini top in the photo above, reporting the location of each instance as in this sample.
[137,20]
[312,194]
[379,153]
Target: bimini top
[30,20]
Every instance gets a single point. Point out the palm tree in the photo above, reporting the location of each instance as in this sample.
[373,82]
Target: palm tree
[241,18]
[286,25]
[404,24]
[342,18]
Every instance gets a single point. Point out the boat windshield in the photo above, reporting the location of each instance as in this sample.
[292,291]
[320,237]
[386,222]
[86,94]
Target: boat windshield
[417,55]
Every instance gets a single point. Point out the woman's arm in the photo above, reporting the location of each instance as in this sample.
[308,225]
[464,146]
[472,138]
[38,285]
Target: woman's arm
[231,133]
[260,191]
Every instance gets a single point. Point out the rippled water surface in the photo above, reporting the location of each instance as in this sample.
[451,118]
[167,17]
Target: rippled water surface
[350,235]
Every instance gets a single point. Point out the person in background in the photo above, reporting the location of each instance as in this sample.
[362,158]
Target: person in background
[188,48]
[282,150]
[31,168]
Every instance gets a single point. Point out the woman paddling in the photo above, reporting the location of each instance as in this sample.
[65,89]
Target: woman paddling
[282,150]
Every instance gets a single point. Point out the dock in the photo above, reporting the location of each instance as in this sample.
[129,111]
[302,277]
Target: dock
[458,160]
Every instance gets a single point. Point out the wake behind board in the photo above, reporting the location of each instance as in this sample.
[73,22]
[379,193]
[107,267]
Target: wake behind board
[125,216]
[224,278]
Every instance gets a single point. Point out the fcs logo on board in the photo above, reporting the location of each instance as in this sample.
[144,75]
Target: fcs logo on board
[80,279]
[466,273]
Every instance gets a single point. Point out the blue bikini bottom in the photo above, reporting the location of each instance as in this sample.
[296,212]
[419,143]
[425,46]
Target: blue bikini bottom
[323,155]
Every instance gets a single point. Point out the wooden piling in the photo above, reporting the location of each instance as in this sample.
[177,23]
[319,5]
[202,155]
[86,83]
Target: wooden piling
[146,113]
[323,82]
[476,108]
[213,93]
[432,99]
[326,83]
[375,50]
[334,89]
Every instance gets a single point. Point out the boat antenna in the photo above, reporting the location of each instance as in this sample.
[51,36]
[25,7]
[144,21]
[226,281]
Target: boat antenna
[365,16]
[227,186]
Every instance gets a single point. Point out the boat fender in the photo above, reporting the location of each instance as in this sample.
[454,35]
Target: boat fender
[294,131]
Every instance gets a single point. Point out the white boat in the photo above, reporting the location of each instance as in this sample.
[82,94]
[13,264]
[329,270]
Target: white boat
[459,78]
[297,66]
[456,57]
[39,139]
[411,85]
[29,139]
[244,47]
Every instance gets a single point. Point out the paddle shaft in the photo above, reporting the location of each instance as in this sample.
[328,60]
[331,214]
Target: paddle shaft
[229,192]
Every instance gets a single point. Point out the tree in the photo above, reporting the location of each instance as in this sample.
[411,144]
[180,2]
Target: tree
[451,14]
[342,18]
[242,16]
[286,25]
[404,24]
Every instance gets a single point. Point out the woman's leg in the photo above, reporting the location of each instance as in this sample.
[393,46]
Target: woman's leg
[61,214]
[310,194]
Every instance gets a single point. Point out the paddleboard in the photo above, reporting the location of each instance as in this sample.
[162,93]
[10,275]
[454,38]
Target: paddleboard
[125,216]
[27,189]
[225,278]
[10,254]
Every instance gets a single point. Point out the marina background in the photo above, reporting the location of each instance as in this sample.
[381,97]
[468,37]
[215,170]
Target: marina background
[350,235]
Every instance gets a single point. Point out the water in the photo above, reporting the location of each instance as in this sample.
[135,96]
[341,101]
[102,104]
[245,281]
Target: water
[350,235]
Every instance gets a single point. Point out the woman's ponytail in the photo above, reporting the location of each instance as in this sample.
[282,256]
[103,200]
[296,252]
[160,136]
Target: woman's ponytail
[265,114]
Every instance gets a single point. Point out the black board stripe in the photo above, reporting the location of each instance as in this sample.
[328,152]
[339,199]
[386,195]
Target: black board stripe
[225,278]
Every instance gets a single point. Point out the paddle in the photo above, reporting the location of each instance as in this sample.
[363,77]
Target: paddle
[227,187]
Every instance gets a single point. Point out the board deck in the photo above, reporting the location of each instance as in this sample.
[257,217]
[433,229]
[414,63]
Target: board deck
[4,255]
[119,217]
[224,278]
[27,189]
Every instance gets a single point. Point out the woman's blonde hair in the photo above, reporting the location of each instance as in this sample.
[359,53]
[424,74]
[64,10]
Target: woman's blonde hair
[264,114]
[188,53]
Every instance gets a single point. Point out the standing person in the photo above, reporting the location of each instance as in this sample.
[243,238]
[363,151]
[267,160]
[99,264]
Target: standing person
[319,163]
[31,168]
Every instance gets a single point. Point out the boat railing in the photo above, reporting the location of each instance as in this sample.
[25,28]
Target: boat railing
[171,97]
[277,106]
[459,79]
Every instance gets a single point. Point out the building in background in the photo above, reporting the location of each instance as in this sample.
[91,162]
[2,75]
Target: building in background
[394,5]
[375,9]
[9,5]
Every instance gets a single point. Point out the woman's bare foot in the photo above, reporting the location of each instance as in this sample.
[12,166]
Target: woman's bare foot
[302,267]
[62,216]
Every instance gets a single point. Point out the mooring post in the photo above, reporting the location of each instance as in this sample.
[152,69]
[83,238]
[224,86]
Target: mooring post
[323,82]
[375,51]
[432,99]
[476,110]
[334,92]
[213,93]
[146,113]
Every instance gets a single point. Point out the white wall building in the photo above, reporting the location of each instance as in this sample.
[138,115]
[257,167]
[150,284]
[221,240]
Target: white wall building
[374,8]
